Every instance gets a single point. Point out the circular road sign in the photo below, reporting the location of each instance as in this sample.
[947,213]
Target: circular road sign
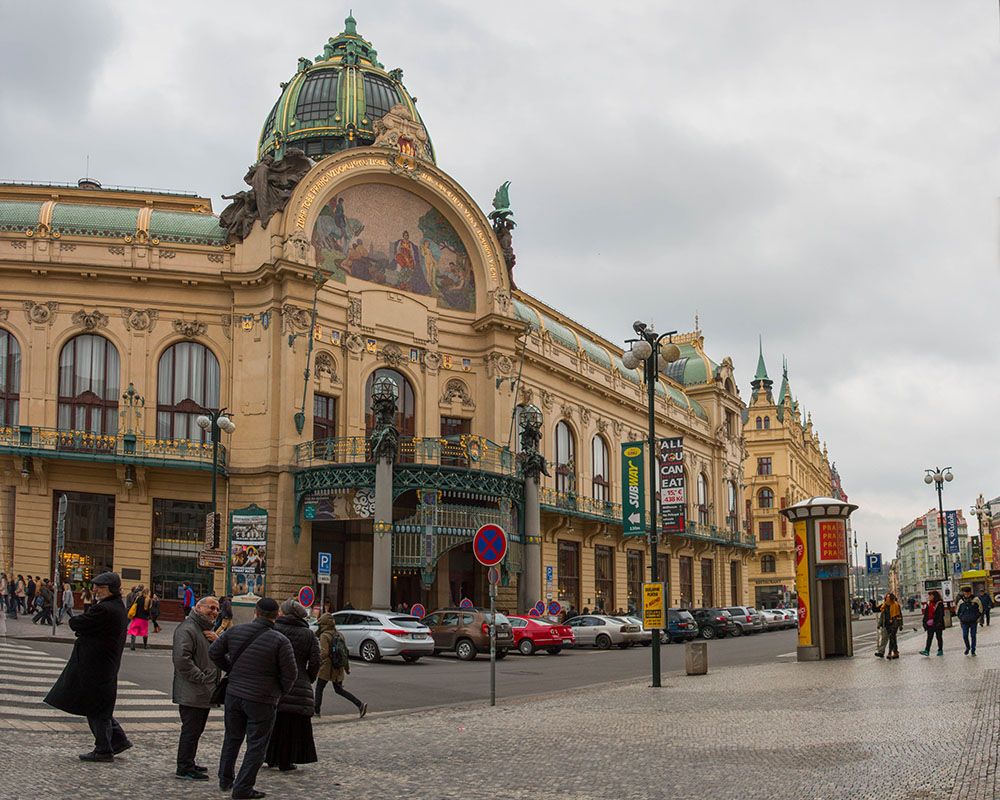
[466,603]
[489,545]
[539,608]
[306,596]
[534,613]
[554,608]
[493,575]
[418,611]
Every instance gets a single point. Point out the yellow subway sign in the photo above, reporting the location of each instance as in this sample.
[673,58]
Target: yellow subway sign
[652,605]
[633,490]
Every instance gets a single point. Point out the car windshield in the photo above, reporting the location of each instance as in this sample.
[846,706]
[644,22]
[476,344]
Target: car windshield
[406,622]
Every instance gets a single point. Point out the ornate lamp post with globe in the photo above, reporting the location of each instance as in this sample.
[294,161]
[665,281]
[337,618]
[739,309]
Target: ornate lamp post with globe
[646,350]
[215,422]
[938,477]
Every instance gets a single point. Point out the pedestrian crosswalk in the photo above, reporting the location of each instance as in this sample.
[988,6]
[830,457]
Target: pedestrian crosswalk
[28,673]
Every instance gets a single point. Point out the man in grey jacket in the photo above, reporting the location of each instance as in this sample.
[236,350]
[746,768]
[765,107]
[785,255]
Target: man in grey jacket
[195,677]
[261,666]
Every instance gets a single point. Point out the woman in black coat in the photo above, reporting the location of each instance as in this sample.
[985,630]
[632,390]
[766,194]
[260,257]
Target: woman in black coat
[292,737]
[934,622]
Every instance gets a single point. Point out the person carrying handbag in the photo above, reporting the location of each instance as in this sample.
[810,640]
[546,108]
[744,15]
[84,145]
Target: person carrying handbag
[934,622]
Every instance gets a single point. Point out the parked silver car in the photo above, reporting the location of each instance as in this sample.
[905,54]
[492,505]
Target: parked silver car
[774,619]
[643,636]
[600,631]
[791,617]
[747,617]
[371,635]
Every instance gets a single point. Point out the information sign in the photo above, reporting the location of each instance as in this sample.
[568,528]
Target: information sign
[489,545]
[672,485]
[951,530]
[306,596]
[548,574]
[247,553]
[874,563]
[309,512]
[323,564]
[652,605]
[418,611]
[633,490]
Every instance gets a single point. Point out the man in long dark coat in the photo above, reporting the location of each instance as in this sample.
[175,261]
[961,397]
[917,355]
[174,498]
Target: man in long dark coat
[88,686]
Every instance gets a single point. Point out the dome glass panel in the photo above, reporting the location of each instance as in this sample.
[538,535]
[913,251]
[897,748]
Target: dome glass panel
[318,96]
[380,96]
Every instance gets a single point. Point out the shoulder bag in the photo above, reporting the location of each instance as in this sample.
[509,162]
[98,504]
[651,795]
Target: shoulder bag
[219,693]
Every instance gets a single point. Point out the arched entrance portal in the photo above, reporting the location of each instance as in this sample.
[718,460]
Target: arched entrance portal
[457,575]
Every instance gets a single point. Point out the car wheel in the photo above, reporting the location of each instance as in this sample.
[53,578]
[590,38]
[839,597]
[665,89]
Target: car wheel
[708,632]
[554,651]
[409,658]
[526,646]
[624,645]
[465,650]
[603,642]
[648,643]
[737,631]
[369,652]
[501,654]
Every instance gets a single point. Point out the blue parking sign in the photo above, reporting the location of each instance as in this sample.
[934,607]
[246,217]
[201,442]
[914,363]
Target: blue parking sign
[323,564]
[548,574]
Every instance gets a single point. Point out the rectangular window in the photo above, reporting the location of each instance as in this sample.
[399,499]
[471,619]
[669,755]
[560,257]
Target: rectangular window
[686,569]
[569,573]
[765,531]
[604,578]
[707,583]
[764,466]
[178,535]
[90,534]
[634,579]
[736,590]
[324,417]
[452,455]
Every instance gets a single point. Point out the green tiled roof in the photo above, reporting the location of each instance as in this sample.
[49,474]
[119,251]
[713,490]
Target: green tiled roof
[698,409]
[186,228]
[527,314]
[18,216]
[627,374]
[561,333]
[70,219]
[596,354]
[677,397]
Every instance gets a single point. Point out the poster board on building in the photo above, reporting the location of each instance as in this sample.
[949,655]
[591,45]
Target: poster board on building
[247,554]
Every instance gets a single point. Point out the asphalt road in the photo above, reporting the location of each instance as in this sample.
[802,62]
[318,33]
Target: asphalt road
[394,686]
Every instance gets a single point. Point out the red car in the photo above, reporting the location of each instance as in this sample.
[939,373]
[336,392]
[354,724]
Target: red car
[530,633]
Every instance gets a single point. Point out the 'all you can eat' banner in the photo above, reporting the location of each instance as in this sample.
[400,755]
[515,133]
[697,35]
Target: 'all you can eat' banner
[672,485]
[247,553]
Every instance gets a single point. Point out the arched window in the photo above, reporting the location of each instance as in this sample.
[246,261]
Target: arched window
[732,514]
[601,468]
[767,423]
[767,564]
[10,378]
[565,459]
[405,413]
[702,499]
[187,383]
[760,423]
[765,498]
[89,380]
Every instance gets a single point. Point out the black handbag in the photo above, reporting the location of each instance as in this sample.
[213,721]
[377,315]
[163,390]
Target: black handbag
[219,693]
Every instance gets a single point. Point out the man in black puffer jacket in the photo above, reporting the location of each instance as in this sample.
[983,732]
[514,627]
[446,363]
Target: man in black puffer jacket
[260,675]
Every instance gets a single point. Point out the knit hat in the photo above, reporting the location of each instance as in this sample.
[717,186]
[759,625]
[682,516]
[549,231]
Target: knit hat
[292,607]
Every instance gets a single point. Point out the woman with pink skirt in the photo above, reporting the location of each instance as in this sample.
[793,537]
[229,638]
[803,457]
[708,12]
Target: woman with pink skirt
[140,622]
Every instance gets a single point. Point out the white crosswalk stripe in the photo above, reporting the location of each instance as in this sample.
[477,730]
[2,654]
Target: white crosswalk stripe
[23,688]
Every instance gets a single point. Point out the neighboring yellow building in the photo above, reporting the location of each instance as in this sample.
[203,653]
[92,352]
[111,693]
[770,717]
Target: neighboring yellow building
[125,314]
[784,463]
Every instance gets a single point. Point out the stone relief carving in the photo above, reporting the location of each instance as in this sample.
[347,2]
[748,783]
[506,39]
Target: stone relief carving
[3,314]
[296,247]
[116,251]
[432,360]
[584,415]
[272,183]
[140,319]
[354,343]
[40,313]
[618,427]
[216,259]
[566,410]
[227,325]
[294,319]
[391,355]
[498,364]
[501,299]
[456,389]
[602,425]
[398,131]
[547,399]
[91,321]
[527,394]
[326,364]
[67,246]
[432,330]
[189,329]
[354,311]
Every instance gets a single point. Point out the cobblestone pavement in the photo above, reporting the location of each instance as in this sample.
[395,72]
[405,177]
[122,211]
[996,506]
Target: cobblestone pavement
[913,729]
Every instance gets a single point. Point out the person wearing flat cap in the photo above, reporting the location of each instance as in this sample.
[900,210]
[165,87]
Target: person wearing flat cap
[88,686]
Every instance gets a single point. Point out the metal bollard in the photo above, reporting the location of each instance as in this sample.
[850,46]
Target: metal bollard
[696,658]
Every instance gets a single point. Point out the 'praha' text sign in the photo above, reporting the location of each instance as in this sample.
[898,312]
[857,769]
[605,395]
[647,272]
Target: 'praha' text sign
[633,491]
[672,484]
[831,542]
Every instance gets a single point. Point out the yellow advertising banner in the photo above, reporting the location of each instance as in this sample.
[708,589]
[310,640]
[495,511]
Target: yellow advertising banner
[652,605]
[987,550]
[802,583]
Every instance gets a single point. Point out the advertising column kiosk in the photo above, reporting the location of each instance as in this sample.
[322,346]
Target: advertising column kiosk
[821,577]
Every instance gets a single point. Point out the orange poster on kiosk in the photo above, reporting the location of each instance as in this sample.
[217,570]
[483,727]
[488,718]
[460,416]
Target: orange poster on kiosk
[832,542]
[802,583]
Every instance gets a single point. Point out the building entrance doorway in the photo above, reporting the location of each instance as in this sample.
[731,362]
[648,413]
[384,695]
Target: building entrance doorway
[349,544]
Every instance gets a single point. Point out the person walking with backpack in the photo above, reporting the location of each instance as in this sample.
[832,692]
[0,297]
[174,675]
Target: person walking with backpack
[934,622]
[970,609]
[292,738]
[987,604]
[335,664]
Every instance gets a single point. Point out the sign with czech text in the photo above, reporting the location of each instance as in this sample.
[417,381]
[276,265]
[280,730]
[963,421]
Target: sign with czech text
[633,490]
[671,480]
[652,605]
[831,542]
[951,530]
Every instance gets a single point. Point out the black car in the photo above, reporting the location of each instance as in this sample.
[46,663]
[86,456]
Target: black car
[714,623]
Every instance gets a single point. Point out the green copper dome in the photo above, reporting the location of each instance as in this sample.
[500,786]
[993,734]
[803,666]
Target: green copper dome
[334,102]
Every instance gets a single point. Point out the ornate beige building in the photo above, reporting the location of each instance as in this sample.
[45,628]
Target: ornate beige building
[785,463]
[125,315]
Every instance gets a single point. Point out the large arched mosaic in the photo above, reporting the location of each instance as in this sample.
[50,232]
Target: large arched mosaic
[383,234]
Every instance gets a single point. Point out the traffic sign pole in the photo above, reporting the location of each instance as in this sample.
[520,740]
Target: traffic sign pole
[493,644]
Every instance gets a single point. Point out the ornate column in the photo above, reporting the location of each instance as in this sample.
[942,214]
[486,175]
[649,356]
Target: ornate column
[532,462]
[384,444]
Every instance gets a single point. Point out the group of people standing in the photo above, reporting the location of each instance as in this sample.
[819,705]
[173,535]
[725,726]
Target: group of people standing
[972,611]
[40,598]
[267,694]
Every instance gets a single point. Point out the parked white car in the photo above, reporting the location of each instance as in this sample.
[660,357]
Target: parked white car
[372,635]
[594,630]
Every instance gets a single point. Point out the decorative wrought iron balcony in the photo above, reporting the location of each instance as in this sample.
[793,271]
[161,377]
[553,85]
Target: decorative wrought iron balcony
[131,448]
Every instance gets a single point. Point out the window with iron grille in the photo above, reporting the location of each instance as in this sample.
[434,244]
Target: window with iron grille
[686,569]
[707,583]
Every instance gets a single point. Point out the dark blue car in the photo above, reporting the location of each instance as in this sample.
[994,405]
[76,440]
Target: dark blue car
[681,626]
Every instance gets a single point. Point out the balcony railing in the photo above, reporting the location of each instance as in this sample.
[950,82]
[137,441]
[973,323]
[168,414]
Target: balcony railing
[120,447]
[464,451]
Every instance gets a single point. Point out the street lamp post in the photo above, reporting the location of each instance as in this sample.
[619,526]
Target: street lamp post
[857,587]
[939,476]
[215,422]
[646,350]
[982,509]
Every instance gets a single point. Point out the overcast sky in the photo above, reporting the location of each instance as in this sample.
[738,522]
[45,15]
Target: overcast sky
[821,174]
